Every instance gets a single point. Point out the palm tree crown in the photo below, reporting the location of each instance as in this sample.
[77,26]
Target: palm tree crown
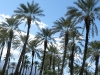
[29,12]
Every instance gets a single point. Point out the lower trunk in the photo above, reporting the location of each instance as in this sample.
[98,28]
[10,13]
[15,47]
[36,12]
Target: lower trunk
[35,71]
[32,62]
[26,71]
[72,60]
[21,67]
[54,65]
[2,50]
[8,54]
[22,53]
[96,64]
[8,65]
[86,73]
[12,71]
[50,62]
[85,52]
[45,46]
[23,71]
[58,68]
[65,50]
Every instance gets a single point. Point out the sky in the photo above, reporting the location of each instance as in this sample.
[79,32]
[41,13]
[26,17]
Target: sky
[53,10]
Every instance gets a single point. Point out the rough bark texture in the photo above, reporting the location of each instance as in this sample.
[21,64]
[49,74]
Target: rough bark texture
[65,50]
[32,62]
[2,47]
[87,23]
[45,46]
[96,64]
[53,67]
[24,49]
[72,60]
[8,53]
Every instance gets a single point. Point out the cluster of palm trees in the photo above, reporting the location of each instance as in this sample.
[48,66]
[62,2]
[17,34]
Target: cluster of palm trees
[73,53]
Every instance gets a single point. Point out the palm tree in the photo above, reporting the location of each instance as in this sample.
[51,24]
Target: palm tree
[87,11]
[95,54]
[74,35]
[61,26]
[25,62]
[34,51]
[8,65]
[29,12]
[9,26]
[44,36]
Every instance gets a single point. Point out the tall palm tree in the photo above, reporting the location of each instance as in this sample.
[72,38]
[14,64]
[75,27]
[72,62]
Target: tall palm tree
[9,26]
[32,44]
[45,35]
[74,35]
[29,12]
[86,11]
[61,26]
[95,54]
[52,52]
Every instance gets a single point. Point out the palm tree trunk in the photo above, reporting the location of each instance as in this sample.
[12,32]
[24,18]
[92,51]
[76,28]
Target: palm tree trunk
[72,60]
[23,50]
[65,50]
[21,67]
[50,62]
[8,65]
[87,23]
[32,62]
[54,65]
[58,68]
[8,53]
[23,70]
[35,71]
[26,71]
[96,64]
[45,46]
[2,50]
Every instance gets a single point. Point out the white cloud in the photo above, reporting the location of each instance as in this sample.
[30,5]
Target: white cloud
[57,38]
[14,52]
[81,37]
[41,24]
[2,17]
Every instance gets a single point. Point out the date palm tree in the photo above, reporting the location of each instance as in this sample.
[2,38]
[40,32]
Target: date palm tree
[87,11]
[29,12]
[32,44]
[94,47]
[45,35]
[61,26]
[8,26]
[74,35]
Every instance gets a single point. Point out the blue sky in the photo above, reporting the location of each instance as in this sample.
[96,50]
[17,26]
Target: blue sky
[53,9]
